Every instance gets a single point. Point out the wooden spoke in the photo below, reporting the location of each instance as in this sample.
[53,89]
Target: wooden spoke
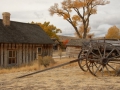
[111,67]
[107,70]
[104,50]
[102,70]
[100,57]
[95,65]
[99,52]
[110,53]
[82,60]
[97,69]
[95,54]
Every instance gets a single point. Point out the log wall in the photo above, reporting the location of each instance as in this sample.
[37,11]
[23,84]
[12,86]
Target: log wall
[72,51]
[25,53]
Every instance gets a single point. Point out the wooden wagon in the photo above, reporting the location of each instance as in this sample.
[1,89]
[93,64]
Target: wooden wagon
[100,57]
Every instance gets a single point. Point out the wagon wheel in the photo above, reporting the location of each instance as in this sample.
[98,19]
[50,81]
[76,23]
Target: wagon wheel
[82,58]
[99,58]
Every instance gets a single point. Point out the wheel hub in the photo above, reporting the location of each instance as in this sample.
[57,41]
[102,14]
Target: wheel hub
[103,61]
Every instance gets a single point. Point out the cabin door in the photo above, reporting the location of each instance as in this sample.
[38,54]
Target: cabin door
[12,57]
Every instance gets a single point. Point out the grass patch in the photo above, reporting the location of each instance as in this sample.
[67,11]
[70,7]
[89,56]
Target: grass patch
[39,64]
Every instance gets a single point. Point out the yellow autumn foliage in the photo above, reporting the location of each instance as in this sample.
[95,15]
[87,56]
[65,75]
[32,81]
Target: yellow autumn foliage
[50,29]
[113,33]
[83,9]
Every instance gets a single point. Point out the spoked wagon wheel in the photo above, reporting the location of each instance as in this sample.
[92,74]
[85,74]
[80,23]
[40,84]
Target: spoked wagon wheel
[82,57]
[99,58]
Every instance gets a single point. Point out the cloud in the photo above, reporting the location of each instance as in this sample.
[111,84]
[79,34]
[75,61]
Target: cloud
[106,17]
[38,14]
[113,19]
[102,30]
[37,11]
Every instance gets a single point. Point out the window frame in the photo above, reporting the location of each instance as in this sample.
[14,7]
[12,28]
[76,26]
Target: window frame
[12,56]
[38,51]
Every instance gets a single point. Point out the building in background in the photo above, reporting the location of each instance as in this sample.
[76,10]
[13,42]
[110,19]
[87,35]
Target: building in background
[74,47]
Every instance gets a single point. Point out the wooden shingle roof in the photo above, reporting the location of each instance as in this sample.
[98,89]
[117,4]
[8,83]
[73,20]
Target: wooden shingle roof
[63,38]
[19,32]
[76,42]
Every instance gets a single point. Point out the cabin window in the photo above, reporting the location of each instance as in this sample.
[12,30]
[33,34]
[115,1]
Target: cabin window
[39,50]
[11,56]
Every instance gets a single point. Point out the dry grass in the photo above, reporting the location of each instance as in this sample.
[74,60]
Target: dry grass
[59,79]
[32,67]
[35,65]
[39,65]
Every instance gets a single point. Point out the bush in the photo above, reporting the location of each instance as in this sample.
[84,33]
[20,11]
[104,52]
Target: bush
[46,61]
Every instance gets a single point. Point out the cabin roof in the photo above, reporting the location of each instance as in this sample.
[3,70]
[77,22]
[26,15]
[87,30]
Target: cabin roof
[63,38]
[75,42]
[19,32]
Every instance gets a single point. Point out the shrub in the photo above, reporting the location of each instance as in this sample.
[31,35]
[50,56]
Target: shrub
[40,61]
[46,61]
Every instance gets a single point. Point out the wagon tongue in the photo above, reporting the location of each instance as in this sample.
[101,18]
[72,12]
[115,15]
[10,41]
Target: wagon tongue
[49,68]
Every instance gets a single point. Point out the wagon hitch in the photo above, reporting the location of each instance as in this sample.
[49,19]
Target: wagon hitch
[73,61]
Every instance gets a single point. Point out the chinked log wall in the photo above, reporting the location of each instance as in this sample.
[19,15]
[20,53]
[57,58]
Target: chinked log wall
[73,51]
[25,53]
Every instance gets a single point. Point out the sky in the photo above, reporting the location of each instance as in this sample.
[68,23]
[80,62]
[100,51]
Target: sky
[37,11]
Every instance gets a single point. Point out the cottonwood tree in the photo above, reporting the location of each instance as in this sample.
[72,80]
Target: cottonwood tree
[77,12]
[90,35]
[113,33]
[50,29]
[81,31]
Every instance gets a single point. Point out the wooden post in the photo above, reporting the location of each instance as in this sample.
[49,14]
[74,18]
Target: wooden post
[51,50]
[17,56]
[20,54]
[24,54]
[27,53]
[48,50]
[1,55]
[33,52]
[5,55]
[30,51]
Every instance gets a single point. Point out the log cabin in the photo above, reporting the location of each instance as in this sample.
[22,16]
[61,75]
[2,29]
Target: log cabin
[74,47]
[21,43]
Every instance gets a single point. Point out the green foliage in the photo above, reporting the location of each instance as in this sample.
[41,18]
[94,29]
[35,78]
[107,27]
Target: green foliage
[46,61]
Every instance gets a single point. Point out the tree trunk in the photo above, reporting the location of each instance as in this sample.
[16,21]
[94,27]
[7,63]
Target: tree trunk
[77,31]
[85,34]
[85,30]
